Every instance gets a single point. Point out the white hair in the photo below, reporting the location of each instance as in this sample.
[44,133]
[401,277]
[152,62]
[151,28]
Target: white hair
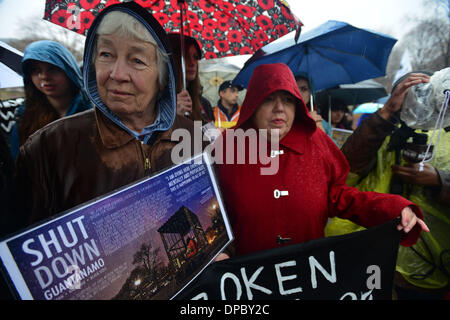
[124,25]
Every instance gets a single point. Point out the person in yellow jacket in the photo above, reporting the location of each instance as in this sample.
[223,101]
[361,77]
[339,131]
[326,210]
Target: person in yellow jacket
[226,113]
[423,270]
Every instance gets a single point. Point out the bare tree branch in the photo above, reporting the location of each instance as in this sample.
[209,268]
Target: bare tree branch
[428,42]
[36,28]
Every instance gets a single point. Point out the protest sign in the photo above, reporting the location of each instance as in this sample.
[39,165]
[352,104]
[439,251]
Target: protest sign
[144,241]
[340,136]
[356,266]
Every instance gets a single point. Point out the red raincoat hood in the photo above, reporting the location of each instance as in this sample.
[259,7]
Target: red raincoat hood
[266,79]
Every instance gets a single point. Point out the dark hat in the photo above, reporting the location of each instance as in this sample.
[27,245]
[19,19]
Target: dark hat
[228,84]
[337,104]
[175,40]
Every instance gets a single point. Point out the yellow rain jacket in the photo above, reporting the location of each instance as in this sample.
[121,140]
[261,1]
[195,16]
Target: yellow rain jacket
[427,263]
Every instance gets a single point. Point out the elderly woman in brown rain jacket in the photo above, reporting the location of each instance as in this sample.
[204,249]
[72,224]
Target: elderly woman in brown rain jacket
[129,77]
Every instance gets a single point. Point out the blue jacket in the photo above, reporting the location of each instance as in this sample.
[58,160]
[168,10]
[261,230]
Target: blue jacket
[56,54]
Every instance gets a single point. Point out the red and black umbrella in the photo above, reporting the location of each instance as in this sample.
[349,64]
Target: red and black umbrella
[223,28]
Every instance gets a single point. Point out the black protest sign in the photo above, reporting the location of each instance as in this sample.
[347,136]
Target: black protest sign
[356,266]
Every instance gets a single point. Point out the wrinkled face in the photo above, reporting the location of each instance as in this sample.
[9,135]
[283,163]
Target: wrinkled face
[49,79]
[191,61]
[229,95]
[303,86]
[277,112]
[127,76]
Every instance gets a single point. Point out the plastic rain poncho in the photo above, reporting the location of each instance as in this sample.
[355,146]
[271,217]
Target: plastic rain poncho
[426,264]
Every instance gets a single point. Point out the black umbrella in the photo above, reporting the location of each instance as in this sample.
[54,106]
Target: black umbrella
[352,94]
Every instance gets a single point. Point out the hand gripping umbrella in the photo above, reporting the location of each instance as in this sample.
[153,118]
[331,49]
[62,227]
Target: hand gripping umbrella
[332,54]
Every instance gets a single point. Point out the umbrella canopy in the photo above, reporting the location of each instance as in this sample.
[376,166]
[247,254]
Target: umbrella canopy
[8,78]
[10,67]
[383,99]
[212,74]
[352,94]
[332,54]
[368,107]
[223,28]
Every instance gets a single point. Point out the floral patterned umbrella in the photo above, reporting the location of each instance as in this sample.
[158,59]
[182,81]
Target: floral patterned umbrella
[223,28]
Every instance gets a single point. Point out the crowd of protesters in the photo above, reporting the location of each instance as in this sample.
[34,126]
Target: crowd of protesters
[75,142]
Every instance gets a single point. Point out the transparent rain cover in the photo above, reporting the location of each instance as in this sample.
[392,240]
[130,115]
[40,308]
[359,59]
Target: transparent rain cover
[424,101]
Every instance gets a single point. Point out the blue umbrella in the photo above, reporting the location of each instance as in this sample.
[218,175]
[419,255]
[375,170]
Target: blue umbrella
[383,100]
[371,107]
[332,54]
[368,107]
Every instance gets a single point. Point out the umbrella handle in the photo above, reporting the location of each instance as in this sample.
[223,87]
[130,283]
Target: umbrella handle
[329,109]
[183,61]
[183,68]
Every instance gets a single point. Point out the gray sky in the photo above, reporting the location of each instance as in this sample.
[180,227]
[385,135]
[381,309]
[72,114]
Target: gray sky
[381,15]
[14,12]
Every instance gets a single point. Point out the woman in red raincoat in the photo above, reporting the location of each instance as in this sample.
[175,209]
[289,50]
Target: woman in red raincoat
[294,204]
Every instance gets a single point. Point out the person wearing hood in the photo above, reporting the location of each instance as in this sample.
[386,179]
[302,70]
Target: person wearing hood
[53,89]
[293,203]
[128,76]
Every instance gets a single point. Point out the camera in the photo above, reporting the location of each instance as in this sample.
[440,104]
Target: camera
[412,152]
[416,151]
